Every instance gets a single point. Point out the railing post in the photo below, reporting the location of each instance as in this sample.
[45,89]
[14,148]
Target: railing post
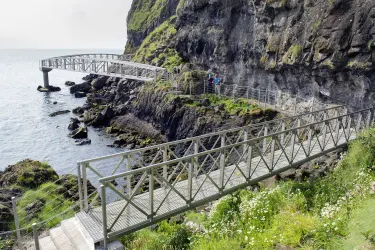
[249,154]
[73,64]
[325,125]
[64,63]
[79,186]
[35,235]
[309,139]
[358,126]
[165,167]
[129,178]
[259,97]
[16,223]
[190,181]
[196,151]
[295,106]
[85,199]
[282,135]
[368,121]
[83,64]
[272,153]
[265,139]
[104,216]
[151,193]
[222,163]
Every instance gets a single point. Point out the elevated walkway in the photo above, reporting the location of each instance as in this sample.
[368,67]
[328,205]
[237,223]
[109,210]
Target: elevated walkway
[101,64]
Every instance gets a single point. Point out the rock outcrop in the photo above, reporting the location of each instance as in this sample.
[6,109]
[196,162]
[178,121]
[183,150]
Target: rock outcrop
[322,48]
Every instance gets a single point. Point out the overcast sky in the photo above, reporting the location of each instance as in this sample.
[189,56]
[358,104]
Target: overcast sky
[63,24]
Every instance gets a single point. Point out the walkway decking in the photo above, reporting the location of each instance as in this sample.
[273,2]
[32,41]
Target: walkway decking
[203,191]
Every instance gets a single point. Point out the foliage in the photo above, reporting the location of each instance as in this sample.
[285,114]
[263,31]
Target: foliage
[144,13]
[307,215]
[234,107]
[155,42]
[293,54]
[53,204]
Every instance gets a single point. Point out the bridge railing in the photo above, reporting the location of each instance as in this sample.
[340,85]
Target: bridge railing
[104,64]
[139,158]
[200,176]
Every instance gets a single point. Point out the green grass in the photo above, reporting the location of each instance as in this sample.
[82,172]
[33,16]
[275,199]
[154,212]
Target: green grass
[234,107]
[362,220]
[54,204]
[155,42]
[293,54]
[144,13]
[321,214]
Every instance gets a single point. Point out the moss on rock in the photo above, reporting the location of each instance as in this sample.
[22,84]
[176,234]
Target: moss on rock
[156,48]
[27,174]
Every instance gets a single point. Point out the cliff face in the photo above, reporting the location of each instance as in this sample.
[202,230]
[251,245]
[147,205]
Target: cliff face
[324,48]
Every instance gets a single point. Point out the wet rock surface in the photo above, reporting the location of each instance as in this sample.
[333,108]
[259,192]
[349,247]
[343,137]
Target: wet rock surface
[61,112]
[79,133]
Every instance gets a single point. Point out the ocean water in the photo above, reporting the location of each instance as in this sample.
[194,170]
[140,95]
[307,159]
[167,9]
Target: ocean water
[26,130]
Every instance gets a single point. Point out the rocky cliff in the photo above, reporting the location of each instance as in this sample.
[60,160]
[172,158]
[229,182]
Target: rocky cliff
[324,48]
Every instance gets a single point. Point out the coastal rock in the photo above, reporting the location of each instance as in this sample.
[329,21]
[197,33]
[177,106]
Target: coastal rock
[69,83]
[78,111]
[82,142]
[99,83]
[80,94]
[79,133]
[6,215]
[69,188]
[49,89]
[83,87]
[28,174]
[108,113]
[35,207]
[74,124]
[61,112]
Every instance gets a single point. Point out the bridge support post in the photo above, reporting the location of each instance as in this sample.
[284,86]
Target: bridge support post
[45,76]
[104,216]
[222,163]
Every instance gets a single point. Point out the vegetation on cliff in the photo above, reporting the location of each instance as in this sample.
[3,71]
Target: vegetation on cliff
[155,50]
[318,214]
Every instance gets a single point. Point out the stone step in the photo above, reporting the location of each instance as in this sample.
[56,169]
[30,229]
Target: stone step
[46,243]
[73,229]
[60,239]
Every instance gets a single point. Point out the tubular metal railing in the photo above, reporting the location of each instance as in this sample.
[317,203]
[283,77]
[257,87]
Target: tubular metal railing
[170,186]
[104,64]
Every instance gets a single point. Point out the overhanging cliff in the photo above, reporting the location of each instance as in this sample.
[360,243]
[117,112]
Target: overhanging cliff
[324,48]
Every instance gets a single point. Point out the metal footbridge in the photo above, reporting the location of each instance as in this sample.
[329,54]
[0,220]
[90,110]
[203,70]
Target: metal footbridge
[141,187]
[168,179]
[101,64]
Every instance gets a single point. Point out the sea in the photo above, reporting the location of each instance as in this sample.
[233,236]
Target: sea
[26,130]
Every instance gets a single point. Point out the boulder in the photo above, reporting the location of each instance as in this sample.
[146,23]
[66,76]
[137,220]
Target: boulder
[74,124]
[42,89]
[35,207]
[61,112]
[83,87]
[69,188]
[28,174]
[80,94]
[78,111]
[82,142]
[79,133]
[54,89]
[69,83]
[99,82]
[108,113]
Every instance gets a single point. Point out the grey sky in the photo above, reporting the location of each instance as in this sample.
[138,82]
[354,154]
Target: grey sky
[63,23]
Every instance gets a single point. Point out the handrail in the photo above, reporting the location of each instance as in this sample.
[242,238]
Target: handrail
[206,135]
[183,158]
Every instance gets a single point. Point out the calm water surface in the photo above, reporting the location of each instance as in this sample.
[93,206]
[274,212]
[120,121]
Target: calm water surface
[26,130]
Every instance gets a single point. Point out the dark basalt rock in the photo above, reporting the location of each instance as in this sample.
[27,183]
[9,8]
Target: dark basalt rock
[74,124]
[79,133]
[82,142]
[49,89]
[69,83]
[35,207]
[99,83]
[59,113]
[78,111]
[80,94]
[83,87]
